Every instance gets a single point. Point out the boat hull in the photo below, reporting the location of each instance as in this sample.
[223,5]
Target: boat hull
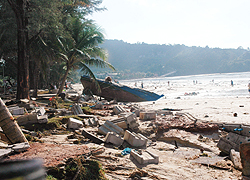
[121,93]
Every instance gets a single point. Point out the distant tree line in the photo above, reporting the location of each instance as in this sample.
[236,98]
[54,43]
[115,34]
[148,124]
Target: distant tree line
[144,60]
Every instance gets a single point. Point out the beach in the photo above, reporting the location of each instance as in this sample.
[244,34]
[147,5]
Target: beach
[207,97]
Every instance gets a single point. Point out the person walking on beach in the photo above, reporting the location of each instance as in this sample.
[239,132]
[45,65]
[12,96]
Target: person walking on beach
[249,87]
[232,83]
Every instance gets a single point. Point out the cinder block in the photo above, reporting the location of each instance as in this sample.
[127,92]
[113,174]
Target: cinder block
[136,140]
[121,122]
[118,109]
[108,126]
[235,158]
[147,115]
[232,141]
[16,110]
[74,123]
[113,138]
[131,120]
[42,119]
[76,109]
[145,157]
[245,130]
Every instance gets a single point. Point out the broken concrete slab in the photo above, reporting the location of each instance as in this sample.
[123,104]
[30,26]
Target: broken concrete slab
[5,152]
[136,140]
[144,157]
[245,158]
[147,115]
[235,158]
[20,147]
[113,138]
[74,123]
[108,126]
[92,137]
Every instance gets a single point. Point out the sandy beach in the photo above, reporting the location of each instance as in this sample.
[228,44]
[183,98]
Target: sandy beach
[209,100]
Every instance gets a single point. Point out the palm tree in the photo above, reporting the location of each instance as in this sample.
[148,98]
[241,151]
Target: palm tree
[82,49]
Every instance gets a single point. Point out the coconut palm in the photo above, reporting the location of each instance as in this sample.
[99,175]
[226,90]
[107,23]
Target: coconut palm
[82,49]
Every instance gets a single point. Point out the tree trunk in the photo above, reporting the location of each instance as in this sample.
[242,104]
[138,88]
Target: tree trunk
[63,81]
[19,7]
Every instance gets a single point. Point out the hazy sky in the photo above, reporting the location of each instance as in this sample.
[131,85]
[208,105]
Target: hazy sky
[216,23]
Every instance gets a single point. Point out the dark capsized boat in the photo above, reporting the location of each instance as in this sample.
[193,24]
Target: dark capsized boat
[121,93]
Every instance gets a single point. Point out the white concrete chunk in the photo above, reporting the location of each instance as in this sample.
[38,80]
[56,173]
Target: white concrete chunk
[74,123]
[146,157]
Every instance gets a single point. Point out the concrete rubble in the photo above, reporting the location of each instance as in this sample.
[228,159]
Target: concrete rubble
[118,126]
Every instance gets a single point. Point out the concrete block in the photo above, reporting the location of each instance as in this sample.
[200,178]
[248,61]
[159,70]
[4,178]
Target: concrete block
[118,109]
[136,140]
[113,138]
[121,122]
[108,126]
[39,111]
[27,119]
[231,127]
[147,115]
[42,119]
[245,130]
[235,158]
[131,120]
[16,110]
[76,109]
[232,141]
[145,157]
[245,158]
[74,123]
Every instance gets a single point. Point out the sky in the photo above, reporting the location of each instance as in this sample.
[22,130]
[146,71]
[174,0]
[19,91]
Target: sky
[212,23]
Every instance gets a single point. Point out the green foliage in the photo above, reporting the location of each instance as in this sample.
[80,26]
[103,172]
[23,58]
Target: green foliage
[78,168]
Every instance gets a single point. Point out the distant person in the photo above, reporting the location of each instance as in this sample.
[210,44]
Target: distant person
[108,79]
[232,83]
[141,84]
[135,84]
[249,87]
[168,83]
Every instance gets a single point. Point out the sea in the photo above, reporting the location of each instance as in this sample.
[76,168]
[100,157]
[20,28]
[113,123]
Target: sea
[196,86]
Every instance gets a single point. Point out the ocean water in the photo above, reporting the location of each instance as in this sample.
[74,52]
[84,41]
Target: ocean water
[196,86]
